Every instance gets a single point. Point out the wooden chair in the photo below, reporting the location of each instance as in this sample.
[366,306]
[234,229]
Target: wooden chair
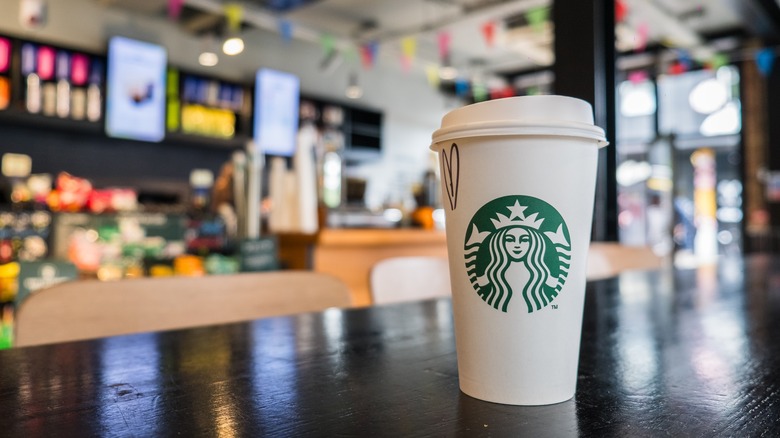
[91,309]
[607,259]
[411,278]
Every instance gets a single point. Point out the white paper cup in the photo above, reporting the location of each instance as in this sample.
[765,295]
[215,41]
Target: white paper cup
[518,182]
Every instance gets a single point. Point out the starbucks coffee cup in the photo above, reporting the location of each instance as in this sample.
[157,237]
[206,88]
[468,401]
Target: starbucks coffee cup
[518,180]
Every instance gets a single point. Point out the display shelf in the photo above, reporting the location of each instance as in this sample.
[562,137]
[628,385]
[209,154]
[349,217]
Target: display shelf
[178,138]
[23,118]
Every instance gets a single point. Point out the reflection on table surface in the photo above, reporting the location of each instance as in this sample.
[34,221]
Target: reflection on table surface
[674,352]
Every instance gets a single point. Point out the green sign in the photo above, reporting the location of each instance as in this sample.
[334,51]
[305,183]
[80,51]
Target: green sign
[38,275]
[259,255]
[517,245]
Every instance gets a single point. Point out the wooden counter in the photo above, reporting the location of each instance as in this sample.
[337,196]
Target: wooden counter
[349,254]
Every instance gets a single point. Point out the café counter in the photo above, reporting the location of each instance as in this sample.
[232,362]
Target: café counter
[349,253]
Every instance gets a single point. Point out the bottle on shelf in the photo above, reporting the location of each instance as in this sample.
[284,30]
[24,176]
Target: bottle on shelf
[62,68]
[31,78]
[79,75]
[94,93]
[46,72]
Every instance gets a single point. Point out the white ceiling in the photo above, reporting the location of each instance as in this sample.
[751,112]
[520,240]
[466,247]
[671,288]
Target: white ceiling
[677,23]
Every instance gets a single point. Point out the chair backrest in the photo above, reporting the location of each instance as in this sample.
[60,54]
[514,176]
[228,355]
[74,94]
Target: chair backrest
[92,309]
[400,279]
[606,259]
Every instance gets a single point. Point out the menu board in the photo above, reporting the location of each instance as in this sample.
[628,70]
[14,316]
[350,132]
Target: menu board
[276,112]
[135,99]
[204,107]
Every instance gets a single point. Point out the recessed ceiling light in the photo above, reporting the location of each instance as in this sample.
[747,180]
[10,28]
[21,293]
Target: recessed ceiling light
[233,46]
[208,59]
[354,92]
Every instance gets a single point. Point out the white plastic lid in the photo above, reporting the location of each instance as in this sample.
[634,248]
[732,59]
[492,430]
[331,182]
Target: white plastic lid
[524,115]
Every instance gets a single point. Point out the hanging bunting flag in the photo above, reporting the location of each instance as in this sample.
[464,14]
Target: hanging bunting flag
[406,64]
[498,93]
[409,47]
[765,60]
[373,48]
[368,54]
[717,61]
[234,13]
[328,44]
[479,92]
[677,68]
[642,34]
[432,73]
[408,51]
[365,56]
[489,32]
[461,87]
[537,17]
[685,58]
[444,39]
[174,8]
[621,10]
[286,30]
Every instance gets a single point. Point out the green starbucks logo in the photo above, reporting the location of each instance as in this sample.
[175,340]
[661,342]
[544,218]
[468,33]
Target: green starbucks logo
[517,245]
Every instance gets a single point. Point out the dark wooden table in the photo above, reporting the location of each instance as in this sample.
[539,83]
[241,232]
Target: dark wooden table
[683,353]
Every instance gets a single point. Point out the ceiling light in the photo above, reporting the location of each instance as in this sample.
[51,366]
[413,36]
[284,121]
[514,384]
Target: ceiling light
[354,92]
[208,59]
[233,46]
[353,89]
[637,99]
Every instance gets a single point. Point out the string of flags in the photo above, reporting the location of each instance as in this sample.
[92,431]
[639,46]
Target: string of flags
[764,58]
[234,14]
[366,53]
[174,8]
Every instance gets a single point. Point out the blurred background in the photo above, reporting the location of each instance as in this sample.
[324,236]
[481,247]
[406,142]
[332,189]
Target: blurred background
[155,137]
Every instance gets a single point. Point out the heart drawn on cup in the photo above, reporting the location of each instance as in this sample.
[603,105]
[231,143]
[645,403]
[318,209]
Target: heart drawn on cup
[451,173]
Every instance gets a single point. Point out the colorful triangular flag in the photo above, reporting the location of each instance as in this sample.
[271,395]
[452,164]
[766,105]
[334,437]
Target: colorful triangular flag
[286,30]
[174,8]
[765,60]
[444,38]
[368,53]
[234,14]
[489,32]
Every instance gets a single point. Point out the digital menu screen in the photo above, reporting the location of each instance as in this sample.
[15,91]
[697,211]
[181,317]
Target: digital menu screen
[276,112]
[135,99]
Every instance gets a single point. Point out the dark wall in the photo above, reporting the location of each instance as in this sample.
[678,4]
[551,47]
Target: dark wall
[90,154]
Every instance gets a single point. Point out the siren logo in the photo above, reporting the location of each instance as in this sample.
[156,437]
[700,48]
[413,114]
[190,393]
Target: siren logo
[518,253]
